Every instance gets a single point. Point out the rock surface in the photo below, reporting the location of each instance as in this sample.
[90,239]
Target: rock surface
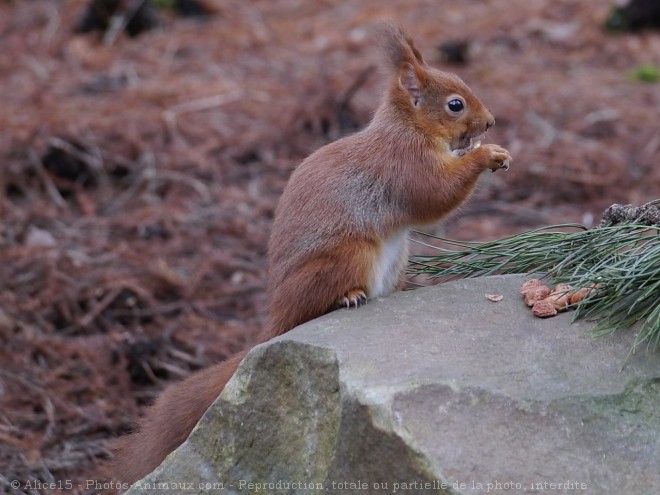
[436,390]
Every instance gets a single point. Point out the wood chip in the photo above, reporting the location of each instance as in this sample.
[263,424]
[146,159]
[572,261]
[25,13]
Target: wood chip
[494,297]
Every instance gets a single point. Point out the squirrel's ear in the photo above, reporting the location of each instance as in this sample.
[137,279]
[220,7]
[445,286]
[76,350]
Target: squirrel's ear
[410,81]
[398,48]
[416,53]
[403,59]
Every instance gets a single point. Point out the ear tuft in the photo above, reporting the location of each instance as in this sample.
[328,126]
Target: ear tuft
[398,47]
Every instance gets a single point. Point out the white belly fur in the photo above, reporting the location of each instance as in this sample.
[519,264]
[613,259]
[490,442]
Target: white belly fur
[391,261]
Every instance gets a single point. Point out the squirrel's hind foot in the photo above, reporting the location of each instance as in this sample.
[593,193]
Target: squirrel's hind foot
[354,297]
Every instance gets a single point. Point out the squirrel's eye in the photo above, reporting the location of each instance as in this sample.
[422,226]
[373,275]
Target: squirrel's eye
[455,105]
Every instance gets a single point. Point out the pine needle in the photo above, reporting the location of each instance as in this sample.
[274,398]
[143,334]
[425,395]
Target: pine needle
[622,260]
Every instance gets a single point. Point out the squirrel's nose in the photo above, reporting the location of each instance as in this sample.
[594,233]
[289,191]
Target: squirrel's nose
[490,123]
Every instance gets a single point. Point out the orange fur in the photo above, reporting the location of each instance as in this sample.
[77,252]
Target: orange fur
[170,420]
[341,223]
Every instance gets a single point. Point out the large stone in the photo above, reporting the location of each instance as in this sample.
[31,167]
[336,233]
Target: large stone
[436,390]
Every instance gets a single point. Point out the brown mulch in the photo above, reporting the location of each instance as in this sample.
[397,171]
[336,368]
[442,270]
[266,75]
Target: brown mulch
[139,175]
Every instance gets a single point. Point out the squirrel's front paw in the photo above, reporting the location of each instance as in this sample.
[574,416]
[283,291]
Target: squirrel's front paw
[498,157]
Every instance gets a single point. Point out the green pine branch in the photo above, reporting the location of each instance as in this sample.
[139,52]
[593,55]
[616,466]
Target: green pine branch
[622,260]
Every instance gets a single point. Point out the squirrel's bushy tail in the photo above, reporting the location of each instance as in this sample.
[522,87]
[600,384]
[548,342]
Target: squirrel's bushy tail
[170,420]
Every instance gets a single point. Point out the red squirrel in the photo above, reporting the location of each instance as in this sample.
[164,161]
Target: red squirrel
[340,231]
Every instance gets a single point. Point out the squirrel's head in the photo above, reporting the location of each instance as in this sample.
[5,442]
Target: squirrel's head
[439,103]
